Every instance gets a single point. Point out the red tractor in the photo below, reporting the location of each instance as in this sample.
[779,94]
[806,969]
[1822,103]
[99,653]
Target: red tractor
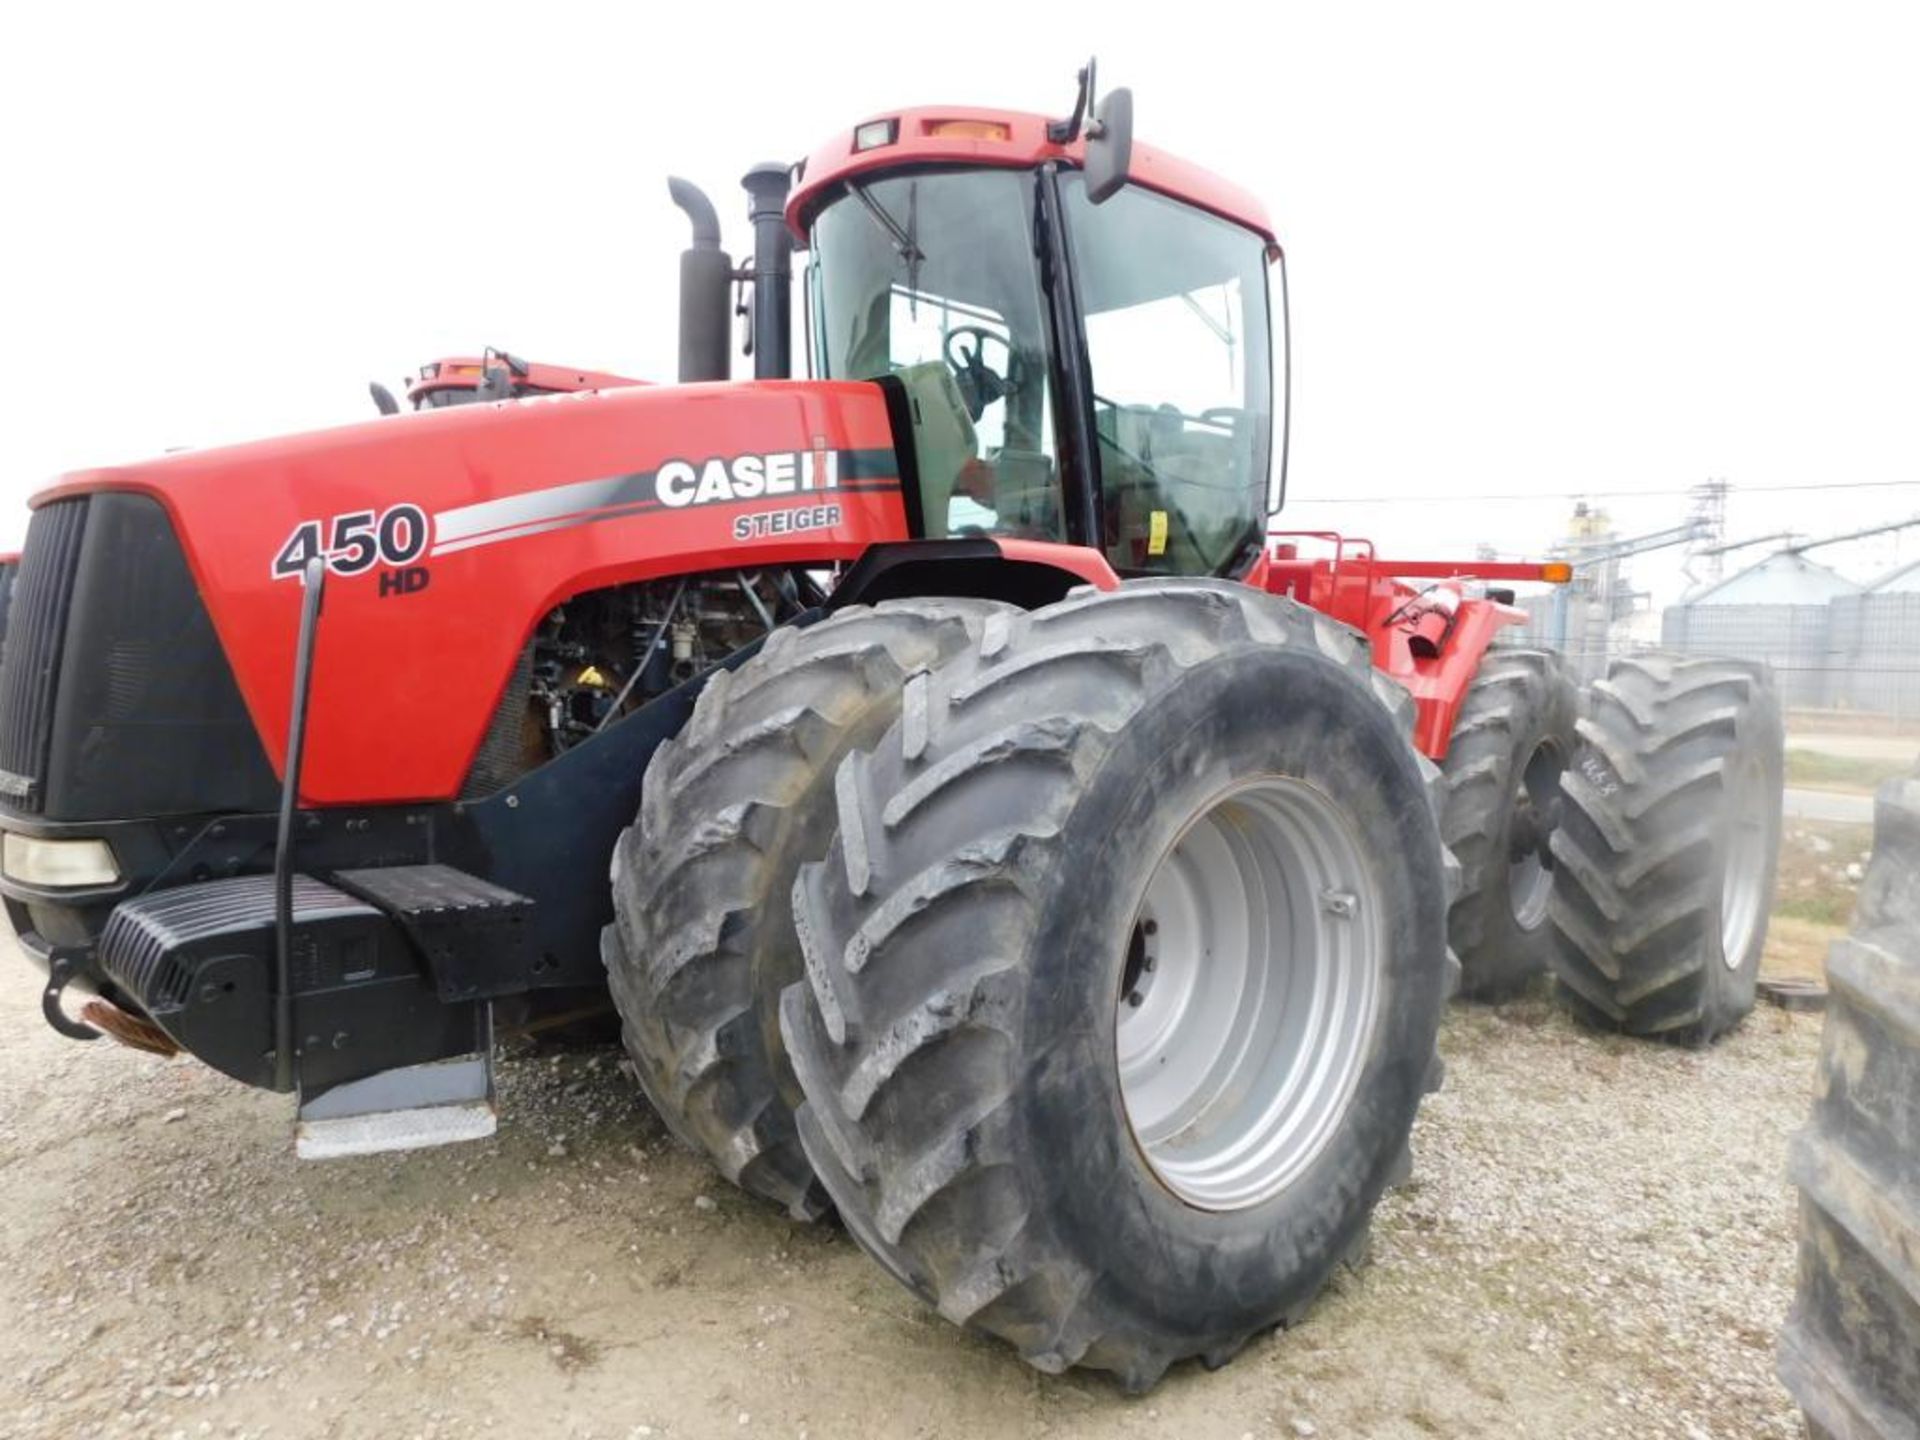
[494,375]
[1014,845]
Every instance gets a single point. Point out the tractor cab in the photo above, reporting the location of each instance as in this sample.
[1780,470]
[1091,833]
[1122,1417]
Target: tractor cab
[1075,330]
[1143,329]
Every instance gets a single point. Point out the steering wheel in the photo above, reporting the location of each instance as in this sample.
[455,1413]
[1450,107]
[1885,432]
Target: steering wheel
[980,385]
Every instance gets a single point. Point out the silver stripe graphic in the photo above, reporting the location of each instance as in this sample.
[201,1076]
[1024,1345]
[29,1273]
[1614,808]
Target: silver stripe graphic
[540,527]
[514,512]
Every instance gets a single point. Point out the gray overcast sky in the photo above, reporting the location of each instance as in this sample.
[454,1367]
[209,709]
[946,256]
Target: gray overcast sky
[1534,248]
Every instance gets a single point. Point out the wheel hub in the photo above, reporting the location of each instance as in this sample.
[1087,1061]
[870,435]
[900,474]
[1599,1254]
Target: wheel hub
[1530,826]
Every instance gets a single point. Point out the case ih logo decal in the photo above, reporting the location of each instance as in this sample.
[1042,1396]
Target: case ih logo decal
[358,540]
[746,477]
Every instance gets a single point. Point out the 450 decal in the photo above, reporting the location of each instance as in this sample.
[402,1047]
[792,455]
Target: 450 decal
[356,541]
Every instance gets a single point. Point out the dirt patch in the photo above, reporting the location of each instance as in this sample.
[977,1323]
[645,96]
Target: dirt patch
[1598,1242]
[1821,867]
[1797,949]
[567,1350]
[1849,774]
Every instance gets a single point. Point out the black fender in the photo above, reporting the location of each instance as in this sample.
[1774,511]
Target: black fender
[1027,573]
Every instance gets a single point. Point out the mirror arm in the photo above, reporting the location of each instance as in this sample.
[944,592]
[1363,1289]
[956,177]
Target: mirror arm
[1063,132]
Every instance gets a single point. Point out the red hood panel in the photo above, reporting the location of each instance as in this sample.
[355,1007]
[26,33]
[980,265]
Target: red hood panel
[521,504]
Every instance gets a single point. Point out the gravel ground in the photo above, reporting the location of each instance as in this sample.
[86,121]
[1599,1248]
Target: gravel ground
[1599,1242]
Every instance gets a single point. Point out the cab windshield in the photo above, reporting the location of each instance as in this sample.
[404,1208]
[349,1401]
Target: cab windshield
[934,278]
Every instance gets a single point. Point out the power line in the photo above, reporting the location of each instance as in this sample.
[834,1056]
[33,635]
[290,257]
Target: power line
[1593,652]
[1430,497]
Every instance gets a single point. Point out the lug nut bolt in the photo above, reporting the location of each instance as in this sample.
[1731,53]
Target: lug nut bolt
[1343,903]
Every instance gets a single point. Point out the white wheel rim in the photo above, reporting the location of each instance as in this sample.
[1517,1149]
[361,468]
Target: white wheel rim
[1749,823]
[1248,1003]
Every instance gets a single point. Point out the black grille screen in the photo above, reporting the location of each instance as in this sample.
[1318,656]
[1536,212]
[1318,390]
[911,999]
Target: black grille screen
[9,569]
[148,719]
[36,634]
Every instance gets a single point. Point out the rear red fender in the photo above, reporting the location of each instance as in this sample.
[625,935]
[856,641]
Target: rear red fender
[451,533]
[1084,563]
[1439,682]
[1436,655]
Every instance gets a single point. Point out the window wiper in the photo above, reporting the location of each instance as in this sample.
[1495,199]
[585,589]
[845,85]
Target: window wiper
[904,243]
[1220,332]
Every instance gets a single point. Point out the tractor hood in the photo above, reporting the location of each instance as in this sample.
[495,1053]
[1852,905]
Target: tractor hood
[448,535]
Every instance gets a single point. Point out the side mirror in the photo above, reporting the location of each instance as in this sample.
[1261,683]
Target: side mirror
[1109,146]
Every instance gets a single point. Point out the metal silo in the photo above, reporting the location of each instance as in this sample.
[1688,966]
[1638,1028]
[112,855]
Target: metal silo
[1876,638]
[1777,611]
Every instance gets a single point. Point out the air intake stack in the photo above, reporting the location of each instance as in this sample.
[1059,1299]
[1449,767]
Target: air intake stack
[767,187]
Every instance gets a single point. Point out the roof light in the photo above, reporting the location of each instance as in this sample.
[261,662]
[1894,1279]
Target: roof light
[874,134]
[58,864]
[970,129]
[1556,572]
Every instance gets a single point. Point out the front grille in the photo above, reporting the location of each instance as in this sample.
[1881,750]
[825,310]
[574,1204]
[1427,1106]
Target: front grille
[36,635]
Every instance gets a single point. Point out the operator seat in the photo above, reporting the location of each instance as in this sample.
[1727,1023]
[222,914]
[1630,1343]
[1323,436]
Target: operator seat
[1026,494]
[944,439]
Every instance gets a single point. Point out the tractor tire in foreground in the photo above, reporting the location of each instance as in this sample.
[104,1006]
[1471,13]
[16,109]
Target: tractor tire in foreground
[702,940]
[1511,742]
[1851,1349]
[1124,974]
[1667,847]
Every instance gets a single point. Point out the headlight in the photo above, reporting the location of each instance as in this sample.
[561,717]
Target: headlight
[874,134]
[58,864]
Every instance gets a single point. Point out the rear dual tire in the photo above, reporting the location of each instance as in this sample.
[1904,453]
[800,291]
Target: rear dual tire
[1512,740]
[982,1102]
[1667,848]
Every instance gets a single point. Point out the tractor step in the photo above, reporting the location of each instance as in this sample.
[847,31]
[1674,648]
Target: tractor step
[412,1107]
[470,931]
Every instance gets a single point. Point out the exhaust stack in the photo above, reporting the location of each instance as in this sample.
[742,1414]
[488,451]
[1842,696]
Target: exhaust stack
[705,274]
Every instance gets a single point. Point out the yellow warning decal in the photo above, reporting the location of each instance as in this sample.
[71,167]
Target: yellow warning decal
[1157,533]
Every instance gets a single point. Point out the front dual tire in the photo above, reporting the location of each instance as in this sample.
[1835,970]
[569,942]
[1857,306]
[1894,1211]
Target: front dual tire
[702,942]
[1112,1145]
